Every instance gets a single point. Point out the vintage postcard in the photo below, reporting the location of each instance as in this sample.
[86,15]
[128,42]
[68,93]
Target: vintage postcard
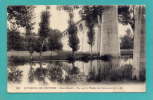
[76,48]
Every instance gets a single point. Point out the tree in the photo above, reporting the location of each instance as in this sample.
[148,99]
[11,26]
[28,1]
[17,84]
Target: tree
[72,31]
[93,11]
[55,40]
[15,41]
[23,16]
[31,42]
[44,25]
[44,29]
[125,15]
[92,16]
[126,42]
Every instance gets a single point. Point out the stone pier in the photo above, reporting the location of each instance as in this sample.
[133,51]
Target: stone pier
[139,42]
[109,32]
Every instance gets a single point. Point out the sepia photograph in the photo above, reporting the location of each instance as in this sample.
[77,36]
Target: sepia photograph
[76,48]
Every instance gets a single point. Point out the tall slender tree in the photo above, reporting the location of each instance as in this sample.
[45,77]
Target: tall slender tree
[92,16]
[72,28]
[73,37]
[44,29]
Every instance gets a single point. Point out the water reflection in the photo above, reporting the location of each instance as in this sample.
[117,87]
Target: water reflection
[71,72]
[14,74]
[31,73]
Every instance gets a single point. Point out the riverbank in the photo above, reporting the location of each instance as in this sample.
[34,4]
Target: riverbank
[18,57]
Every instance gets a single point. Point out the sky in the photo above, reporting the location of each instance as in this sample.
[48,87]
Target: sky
[59,19]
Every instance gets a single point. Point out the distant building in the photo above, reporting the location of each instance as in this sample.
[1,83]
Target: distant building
[106,39]
[83,38]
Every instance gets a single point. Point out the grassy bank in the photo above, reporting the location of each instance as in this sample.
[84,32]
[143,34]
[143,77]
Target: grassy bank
[48,55]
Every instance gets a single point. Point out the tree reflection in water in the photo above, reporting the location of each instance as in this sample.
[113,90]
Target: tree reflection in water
[55,72]
[109,71]
[31,73]
[14,74]
[72,72]
[40,73]
[60,72]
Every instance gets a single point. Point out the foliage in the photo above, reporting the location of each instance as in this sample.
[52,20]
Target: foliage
[125,15]
[43,32]
[15,41]
[23,16]
[44,24]
[55,40]
[126,42]
[31,43]
[90,15]
[91,35]
[72,31]
[38,45]
[19,13]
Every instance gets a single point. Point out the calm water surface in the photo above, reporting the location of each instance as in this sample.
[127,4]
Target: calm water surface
[70,72]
